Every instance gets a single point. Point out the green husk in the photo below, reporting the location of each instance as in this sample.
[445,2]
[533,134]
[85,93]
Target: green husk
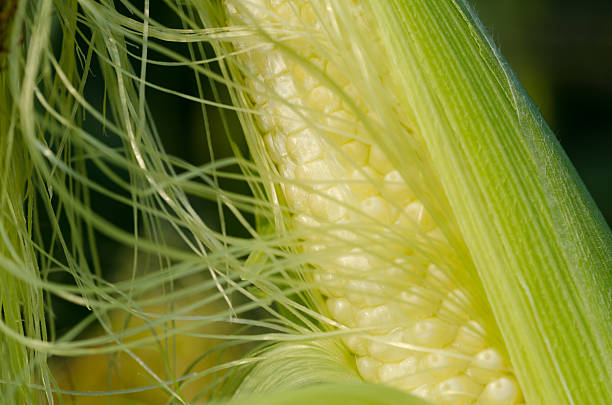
[291,366]
[330,394]
[540,245]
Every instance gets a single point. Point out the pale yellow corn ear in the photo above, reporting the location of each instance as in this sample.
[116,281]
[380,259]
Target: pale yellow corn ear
[448,356]
[444,228]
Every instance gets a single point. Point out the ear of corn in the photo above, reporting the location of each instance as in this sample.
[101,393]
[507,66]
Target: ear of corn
[442,223]
[418,226]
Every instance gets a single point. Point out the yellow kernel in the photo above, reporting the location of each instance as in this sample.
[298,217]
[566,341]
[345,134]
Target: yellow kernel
[459,390]
[390,372]
[315,170]
[323,99]
[307,221]
[357,152]
[379,161]
[376,208]
[470,338]
[437,236]
[442,365]
[303,79]
[254,10]
[297,198]
[344,234]
[356,344]
[486,366]
[276,146]
[419,302]
[308,15]
[387,348]
[416,213]
[404,274]
[503,391]
[331,284]
[352,92]
[417,383]
[260,95]
[365,293]
[286,118]
[304,146]
[396,187]
[284,86]
[327,206]
[285,12]
[340,126]
[270,64]
[341,310]
[355,261]
[368,368]
[362,183]
[454,306]
[432,332]
[381,318]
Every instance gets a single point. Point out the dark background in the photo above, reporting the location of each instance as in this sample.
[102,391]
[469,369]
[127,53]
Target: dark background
[561,50]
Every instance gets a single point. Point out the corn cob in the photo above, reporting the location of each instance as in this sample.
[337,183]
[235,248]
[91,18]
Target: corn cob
[423,331]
